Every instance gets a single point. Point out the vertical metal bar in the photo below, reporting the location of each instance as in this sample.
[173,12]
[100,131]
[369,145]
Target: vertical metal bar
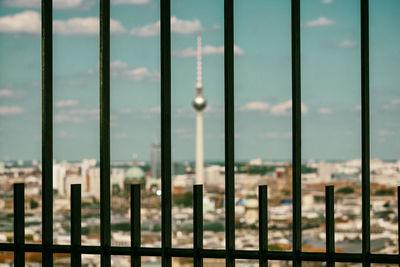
[296,131]
[365,132]
[398,220]
[198,224]
[166,226]
[330,225]
[263,224]
[229,132]
[105,221]
[135,225]
[76,228]
[47,131]
[19,225]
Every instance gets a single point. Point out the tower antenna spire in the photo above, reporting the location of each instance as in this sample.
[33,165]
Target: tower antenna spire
[199,83]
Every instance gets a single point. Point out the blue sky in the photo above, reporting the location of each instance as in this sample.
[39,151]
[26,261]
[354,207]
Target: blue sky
[330,78]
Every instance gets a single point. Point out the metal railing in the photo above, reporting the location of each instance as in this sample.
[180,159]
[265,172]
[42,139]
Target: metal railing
[198,253]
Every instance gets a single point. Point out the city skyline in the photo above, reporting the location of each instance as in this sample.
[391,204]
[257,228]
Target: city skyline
[330,80]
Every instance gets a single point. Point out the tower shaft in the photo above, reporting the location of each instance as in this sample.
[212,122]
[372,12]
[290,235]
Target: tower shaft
[199,149]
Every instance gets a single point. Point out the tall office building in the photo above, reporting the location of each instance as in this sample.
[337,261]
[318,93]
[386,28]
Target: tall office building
[199,104]
[59,176]
[156,160]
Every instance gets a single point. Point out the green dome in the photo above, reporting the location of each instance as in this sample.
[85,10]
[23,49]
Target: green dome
[134,173]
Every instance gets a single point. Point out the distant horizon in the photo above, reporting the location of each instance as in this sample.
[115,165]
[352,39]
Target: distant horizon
[209,162]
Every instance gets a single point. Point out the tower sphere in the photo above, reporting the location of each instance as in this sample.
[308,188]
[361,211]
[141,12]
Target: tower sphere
[199,103]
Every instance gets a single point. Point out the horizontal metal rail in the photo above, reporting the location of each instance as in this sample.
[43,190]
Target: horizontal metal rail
[198,252]
[206,253]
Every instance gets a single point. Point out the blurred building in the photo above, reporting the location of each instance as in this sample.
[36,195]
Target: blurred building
[59,175]
[156,160]
[134,175]
[214,175]
[93,182]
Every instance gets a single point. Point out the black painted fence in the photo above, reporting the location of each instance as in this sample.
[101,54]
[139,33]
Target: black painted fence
[47,248]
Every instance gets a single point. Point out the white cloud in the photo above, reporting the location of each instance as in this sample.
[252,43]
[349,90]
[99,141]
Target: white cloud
[5,93]
[84,111]
[320,22]
[10,110]
[67,103]
[62,117]
[23,3]
[327,1]
[155,109]
[57,4]
[277,135]
[85,26]
[184,111]
[69,4]
[76,115]
[347,44]
[116,65]
[122,70]
[325,111]
[142,73]
[29,22]
[129,2]
[282,108]
[384,132]
[257,105]
[177,26]
[285,108]
[147,30]
[185,26]
[206,50]
[357,108]
[392,104]
[63,134]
